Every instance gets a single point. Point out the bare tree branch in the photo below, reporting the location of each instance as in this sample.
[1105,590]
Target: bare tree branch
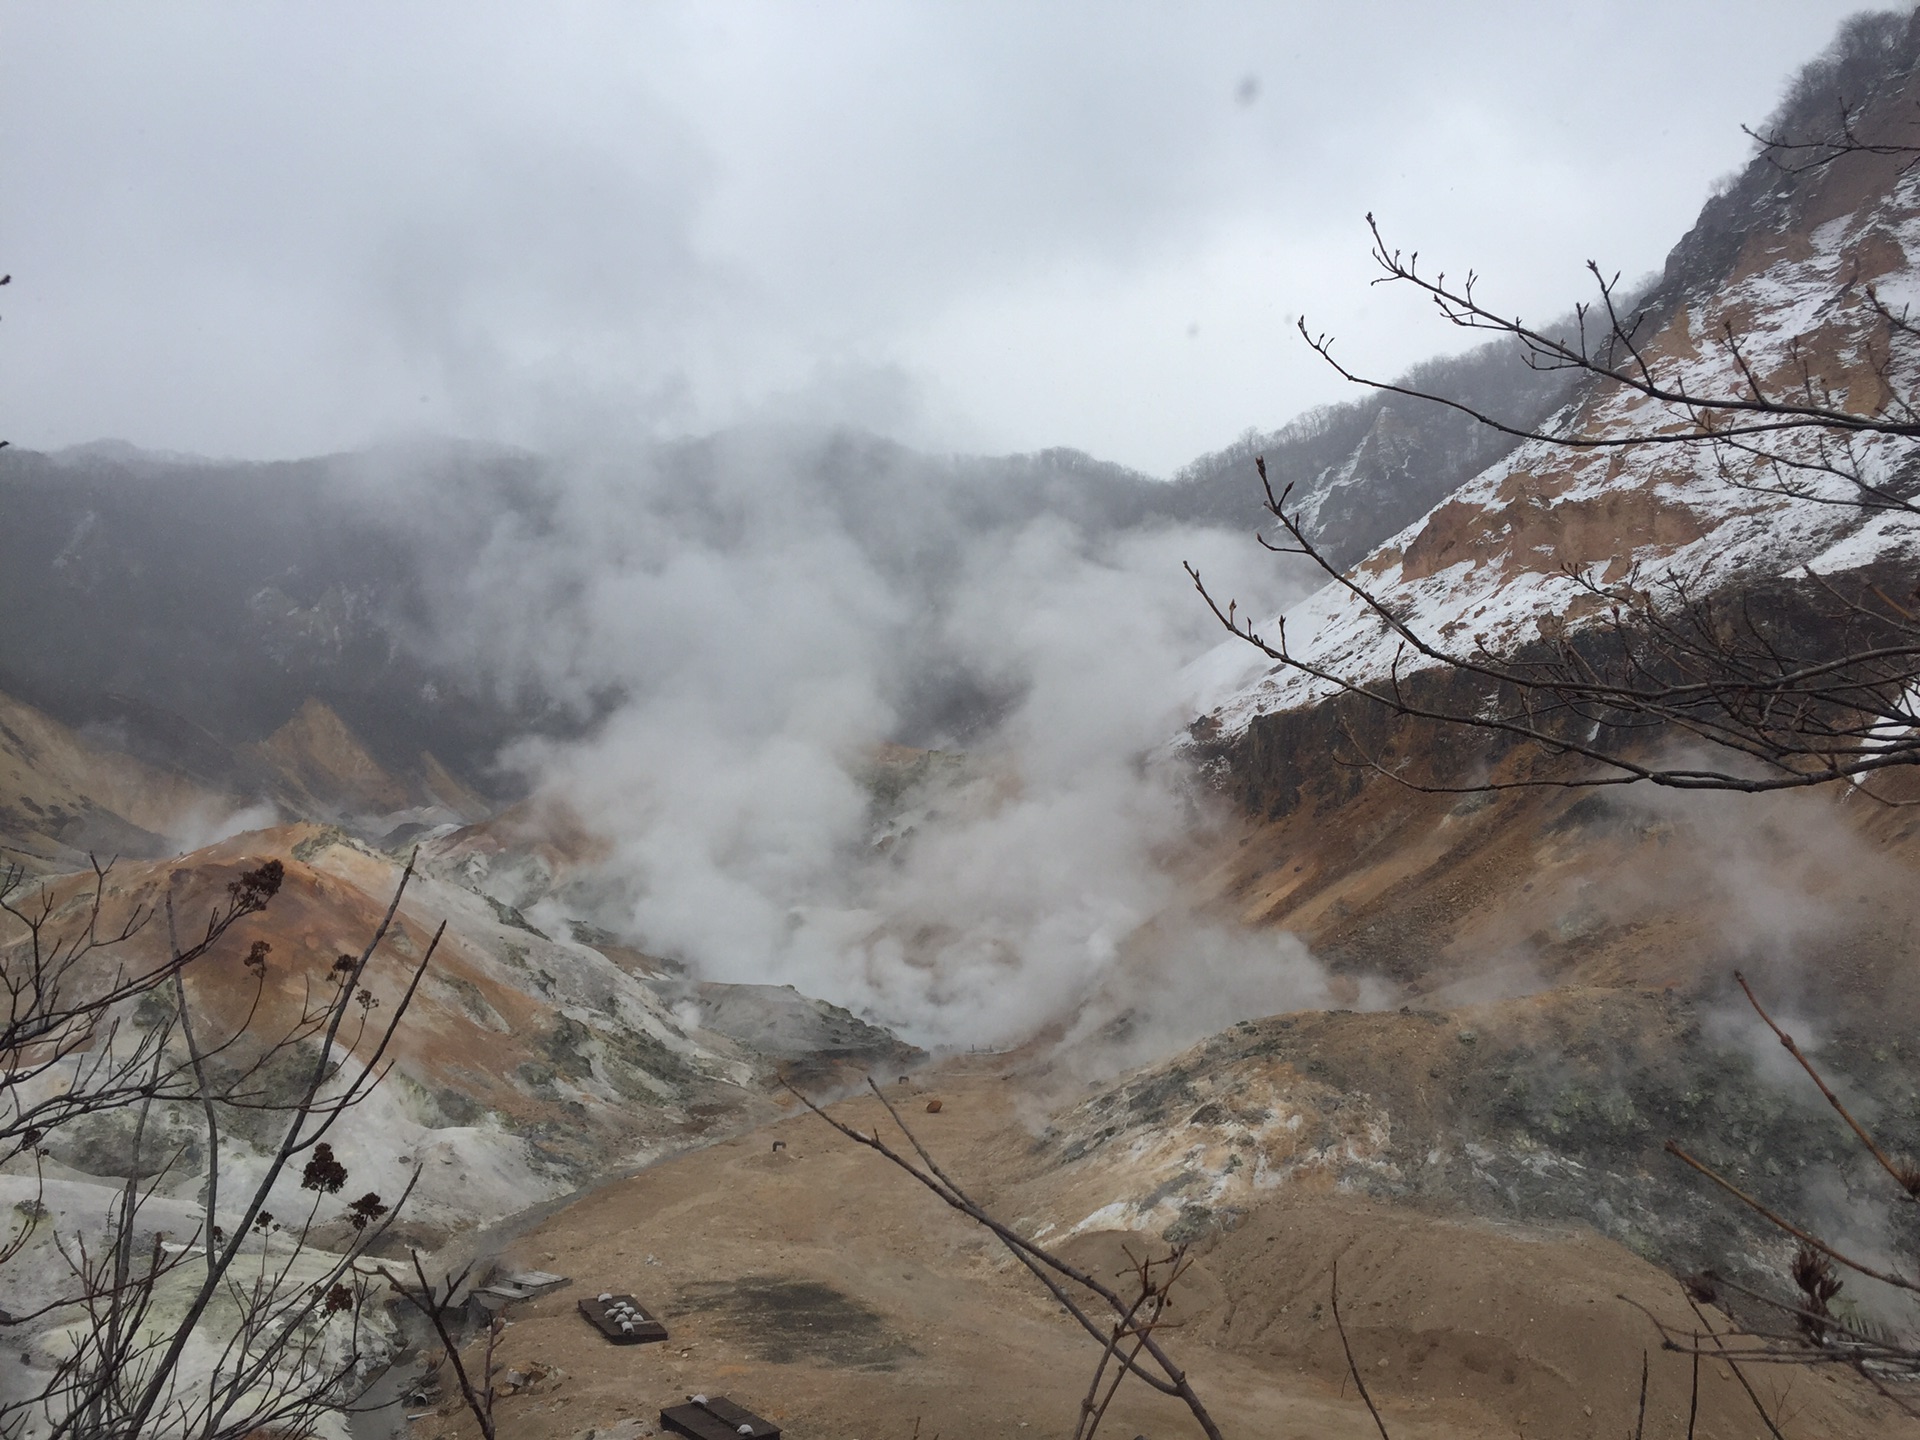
[1165,1376]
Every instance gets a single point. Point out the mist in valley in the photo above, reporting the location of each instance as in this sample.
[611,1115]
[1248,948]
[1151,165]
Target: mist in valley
[688,511]
[894,731]
[723,348]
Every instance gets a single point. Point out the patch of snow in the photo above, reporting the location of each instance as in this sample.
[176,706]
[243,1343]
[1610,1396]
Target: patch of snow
[1503,596]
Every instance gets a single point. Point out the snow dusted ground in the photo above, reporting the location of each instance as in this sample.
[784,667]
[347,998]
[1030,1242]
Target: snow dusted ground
[528,1065]
[1487,565]
[80,1211]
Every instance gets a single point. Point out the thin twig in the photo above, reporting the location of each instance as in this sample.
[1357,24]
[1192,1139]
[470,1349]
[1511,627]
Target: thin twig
[1908,1180]
[1738,1373]
[1040,1262]
[1353,1368]
[479,1399]
[1804,1237]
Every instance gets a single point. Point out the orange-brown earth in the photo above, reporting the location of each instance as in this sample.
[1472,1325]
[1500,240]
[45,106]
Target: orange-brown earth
[1483,1156]
[526,1064]
[1448,892]
[316,766]
[821,1287]
[67,794]
[62,795]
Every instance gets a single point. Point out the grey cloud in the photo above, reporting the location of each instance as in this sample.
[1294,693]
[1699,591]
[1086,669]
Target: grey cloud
[274,230]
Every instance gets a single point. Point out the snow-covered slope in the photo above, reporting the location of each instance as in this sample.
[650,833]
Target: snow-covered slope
[1493,563]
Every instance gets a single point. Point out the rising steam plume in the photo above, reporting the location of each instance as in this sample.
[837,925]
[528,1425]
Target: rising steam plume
[751,622]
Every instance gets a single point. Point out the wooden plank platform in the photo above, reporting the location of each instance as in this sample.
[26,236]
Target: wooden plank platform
[622,1319]
[534,1282]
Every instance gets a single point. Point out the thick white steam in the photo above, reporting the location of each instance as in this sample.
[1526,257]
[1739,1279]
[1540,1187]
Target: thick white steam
[769,624]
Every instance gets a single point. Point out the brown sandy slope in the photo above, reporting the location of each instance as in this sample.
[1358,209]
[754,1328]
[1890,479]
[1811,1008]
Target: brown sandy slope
[825,1289]
[1469,897]
[1565,1000]
[61,797]
[315,766]
[527,1064]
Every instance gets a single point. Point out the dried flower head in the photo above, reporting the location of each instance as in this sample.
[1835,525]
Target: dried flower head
[1814,1274]
[251,892]
[323,1172]
[365,1211]
[1909,1177]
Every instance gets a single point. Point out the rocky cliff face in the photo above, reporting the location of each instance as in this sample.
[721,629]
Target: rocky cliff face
[62,797]
[526,1064]
[1550,1109]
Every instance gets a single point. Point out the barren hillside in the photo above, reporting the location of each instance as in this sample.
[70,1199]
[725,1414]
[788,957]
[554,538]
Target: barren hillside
[669,738]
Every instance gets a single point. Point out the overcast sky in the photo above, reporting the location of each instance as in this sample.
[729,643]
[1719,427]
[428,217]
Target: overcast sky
[272,230]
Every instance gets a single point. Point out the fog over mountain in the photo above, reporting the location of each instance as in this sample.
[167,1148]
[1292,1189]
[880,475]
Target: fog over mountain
[270,233]
[767,637]
[685,511]
[702,650]
[889,726]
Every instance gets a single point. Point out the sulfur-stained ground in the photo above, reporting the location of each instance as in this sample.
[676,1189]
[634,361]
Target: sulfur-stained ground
[819,1286]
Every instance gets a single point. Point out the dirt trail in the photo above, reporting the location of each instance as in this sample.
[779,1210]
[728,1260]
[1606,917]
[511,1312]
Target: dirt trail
[817,1285]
